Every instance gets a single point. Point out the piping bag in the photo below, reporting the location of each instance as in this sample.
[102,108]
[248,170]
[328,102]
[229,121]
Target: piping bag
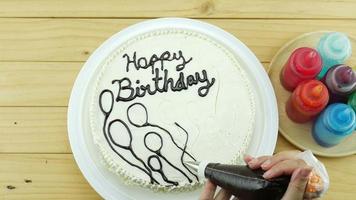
[247,184]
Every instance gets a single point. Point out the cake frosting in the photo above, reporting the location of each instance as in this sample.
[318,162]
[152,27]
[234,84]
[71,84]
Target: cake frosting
[169,96]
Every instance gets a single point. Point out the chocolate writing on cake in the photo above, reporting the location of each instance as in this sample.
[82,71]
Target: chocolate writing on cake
[161,81]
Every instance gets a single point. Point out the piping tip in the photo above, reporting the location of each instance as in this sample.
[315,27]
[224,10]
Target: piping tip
[192,165]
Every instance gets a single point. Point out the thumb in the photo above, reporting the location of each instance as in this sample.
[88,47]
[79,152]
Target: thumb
[297,184]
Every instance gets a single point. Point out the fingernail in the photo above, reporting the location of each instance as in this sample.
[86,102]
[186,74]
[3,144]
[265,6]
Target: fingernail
[305,172]
[267,174]
[266,163]
[247,156]
[252,162]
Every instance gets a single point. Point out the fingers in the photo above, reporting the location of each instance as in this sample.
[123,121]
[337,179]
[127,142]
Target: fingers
[284,163]
[286,167]
[208,191]
[299,181]
[279,157]
[247,158]
[223,195]
[256,163]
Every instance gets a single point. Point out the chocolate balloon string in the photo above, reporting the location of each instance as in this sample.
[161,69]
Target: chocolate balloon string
[159,154]
[153,125]
[107,113]
[146,123]
[184,150]
[147,168]
[159,169]
[128,147]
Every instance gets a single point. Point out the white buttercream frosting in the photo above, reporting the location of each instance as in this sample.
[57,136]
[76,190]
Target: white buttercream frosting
[219,125]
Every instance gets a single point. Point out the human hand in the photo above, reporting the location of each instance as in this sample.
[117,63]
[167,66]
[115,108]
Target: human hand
[284,163]
[209,193]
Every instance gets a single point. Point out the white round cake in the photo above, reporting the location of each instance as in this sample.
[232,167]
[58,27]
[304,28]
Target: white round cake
[169,96]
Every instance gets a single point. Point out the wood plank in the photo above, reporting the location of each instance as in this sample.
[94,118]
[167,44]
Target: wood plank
[183,8]
[38,83]
[76,39]
[33,130]
[57,177]
[42,177]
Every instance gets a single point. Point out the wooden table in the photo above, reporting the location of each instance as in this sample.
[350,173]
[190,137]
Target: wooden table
[43,45]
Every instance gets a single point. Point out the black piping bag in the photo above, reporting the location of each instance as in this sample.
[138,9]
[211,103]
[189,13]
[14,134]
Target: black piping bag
[247,184]
[241,181]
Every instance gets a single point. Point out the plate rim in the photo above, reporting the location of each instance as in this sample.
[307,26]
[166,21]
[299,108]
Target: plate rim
[75,105]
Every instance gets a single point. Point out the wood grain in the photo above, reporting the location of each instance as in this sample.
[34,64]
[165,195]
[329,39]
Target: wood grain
[57,176]
[39,83]
[75,39]
[36,83]
[33,130]
[43,45]
[317,9]
[42,176]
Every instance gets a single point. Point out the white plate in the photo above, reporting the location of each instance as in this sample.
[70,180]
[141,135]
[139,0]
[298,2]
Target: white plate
[86,154]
